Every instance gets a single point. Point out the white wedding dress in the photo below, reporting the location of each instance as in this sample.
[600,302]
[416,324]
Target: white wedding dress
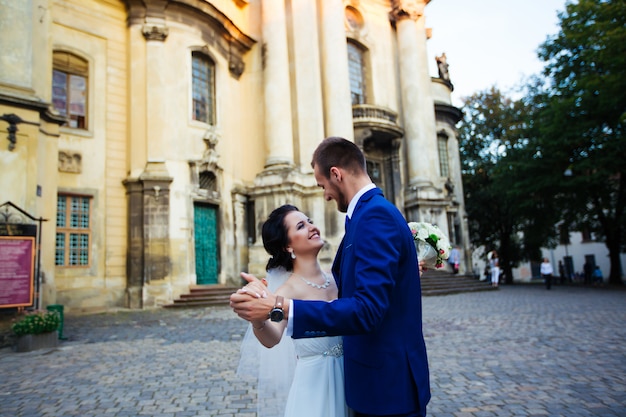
[297,377]
[317,387]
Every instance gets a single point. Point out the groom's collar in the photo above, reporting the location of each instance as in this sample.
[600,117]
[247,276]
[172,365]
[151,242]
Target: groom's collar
[356,198]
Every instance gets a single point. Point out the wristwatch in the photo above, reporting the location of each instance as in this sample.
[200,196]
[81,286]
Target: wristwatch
[277,314]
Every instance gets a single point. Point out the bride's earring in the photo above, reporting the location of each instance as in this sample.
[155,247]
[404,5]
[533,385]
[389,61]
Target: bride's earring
[293,255]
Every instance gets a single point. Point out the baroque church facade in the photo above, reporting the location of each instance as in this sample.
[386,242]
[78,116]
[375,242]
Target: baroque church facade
[153,137]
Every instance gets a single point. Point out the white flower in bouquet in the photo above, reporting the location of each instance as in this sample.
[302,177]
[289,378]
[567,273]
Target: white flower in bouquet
[432,245]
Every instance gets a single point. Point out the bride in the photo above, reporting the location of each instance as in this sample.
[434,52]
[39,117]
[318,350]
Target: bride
[317,386]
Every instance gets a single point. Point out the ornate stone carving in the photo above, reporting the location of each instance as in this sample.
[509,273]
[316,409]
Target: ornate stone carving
[236,65]
[449,185]
[407,9]
[70,162]
[442,67]
[153,32]
[210,155]
[206,173]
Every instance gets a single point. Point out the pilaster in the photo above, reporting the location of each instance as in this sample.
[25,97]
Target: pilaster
[155,32]
[149,240]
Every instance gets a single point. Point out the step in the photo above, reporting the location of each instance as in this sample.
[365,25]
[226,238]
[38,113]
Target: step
[204,295]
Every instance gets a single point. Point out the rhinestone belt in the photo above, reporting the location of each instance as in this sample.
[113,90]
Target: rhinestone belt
[335,351]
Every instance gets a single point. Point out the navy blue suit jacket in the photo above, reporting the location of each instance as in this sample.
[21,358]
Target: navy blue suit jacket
[379,312]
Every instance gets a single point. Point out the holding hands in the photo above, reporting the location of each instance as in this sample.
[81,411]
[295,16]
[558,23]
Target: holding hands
[254,301]
[255,288]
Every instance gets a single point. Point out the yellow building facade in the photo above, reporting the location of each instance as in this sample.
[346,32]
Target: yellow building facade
[155,136]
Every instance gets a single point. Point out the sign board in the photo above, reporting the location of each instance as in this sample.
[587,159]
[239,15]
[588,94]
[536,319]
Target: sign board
[17,271]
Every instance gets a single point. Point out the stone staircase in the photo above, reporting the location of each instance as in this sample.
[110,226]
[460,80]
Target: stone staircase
[204,296]
[433,283]
[442,283]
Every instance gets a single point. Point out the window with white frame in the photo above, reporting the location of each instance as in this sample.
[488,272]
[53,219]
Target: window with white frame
[70,75]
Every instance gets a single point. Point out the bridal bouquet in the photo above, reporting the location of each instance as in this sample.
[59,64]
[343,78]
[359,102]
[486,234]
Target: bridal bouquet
[432,246]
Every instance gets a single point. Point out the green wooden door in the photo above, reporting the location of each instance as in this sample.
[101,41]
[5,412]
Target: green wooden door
[206,243]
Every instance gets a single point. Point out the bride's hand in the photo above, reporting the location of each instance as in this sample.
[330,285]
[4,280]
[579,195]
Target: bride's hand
[255,288]
[254,301]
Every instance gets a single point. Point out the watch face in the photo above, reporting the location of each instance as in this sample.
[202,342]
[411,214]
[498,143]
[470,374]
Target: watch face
[277,314]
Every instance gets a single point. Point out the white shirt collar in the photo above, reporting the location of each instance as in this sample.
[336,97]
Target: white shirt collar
[356,198]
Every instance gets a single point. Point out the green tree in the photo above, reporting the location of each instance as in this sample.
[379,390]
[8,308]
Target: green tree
[581,118]
[506,210]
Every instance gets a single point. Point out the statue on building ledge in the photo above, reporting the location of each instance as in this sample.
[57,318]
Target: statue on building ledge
[442,66]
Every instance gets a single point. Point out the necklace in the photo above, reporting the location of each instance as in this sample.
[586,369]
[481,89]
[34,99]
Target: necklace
[314,285]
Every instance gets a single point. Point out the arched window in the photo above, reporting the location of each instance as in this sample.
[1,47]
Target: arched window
[70,75]
[356,67]
[203,88]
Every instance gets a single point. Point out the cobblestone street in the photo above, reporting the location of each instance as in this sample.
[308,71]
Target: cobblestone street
[518,351]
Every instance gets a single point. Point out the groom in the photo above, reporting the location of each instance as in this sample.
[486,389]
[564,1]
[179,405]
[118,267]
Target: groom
[379,310]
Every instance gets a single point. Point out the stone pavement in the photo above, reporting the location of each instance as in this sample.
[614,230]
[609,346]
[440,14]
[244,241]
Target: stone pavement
[519,351]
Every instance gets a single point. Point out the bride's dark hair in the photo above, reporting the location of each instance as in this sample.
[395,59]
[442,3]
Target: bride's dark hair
[275,239]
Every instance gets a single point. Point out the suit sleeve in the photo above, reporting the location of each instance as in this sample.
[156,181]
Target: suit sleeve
[369,269]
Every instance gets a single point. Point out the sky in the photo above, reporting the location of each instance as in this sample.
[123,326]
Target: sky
[489,42]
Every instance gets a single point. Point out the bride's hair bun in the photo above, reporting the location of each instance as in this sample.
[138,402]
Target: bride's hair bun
[275,240]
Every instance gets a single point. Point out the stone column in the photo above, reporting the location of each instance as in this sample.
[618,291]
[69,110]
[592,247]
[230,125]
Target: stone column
[310,114]
[155,32]
[418,111]
[278,126]
[335,75]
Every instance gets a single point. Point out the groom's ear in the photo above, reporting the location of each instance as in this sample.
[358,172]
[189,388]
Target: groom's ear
[336,174]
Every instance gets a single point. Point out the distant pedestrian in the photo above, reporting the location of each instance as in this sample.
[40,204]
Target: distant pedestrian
[454,259]
[546,272]
[494,266]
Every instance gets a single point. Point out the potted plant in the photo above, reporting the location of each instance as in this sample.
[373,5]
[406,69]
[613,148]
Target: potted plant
[36,330]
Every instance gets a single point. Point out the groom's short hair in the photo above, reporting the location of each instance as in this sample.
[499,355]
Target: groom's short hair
[338,152]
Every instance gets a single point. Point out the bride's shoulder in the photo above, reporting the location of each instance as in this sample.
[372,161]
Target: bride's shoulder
[288,289]
[297,290]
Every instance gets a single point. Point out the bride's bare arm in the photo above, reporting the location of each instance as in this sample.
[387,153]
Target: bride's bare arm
[268,332]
